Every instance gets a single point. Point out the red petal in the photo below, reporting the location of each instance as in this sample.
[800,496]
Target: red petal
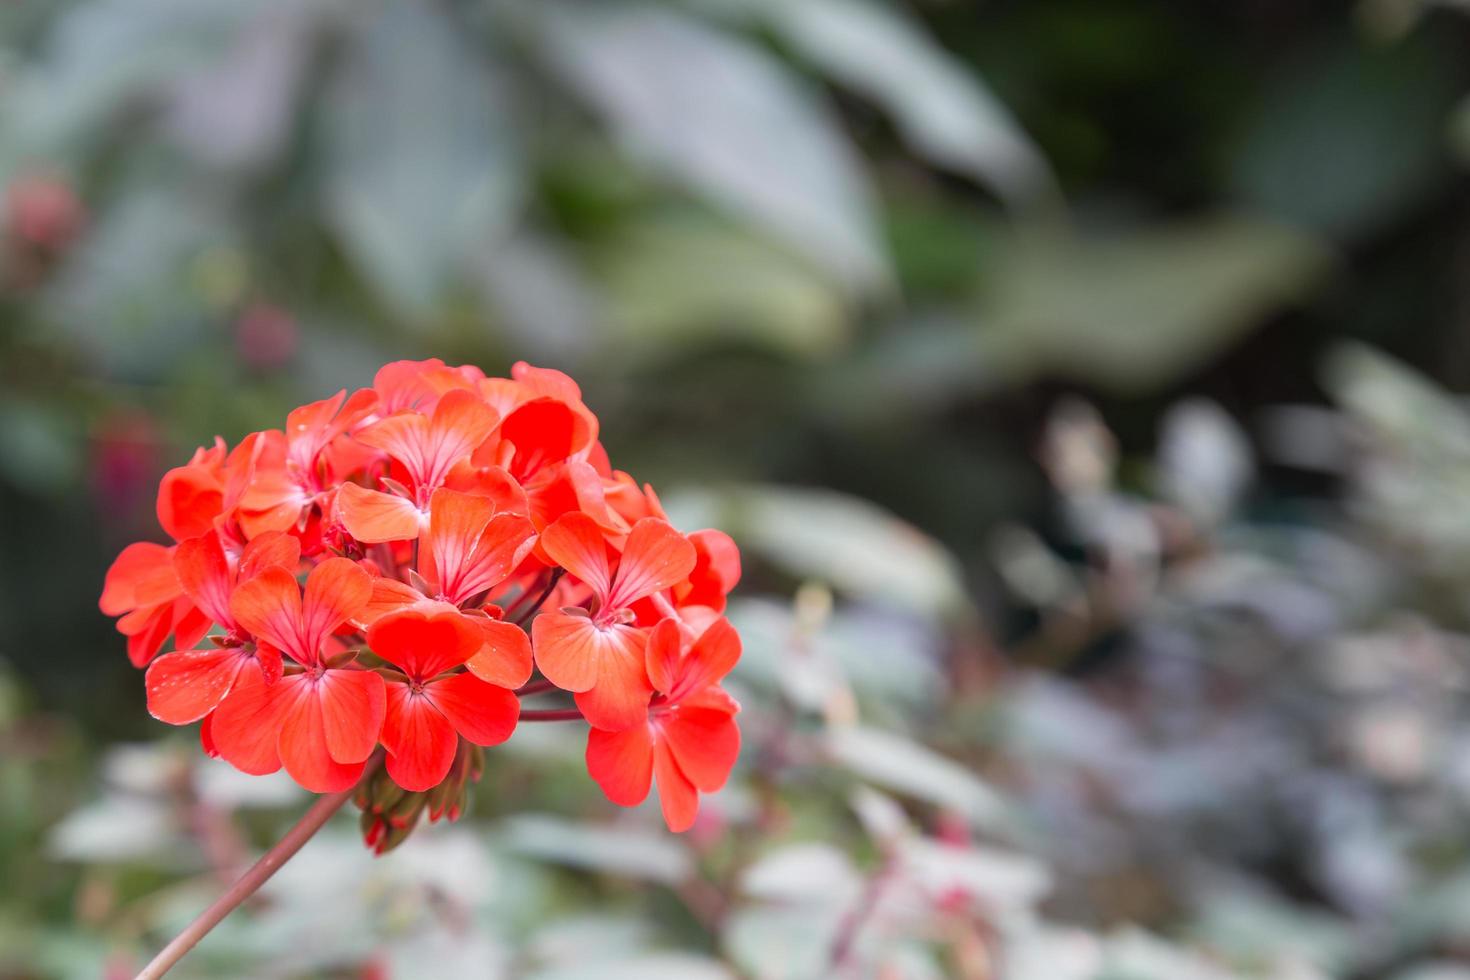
[336,591]
[716,570]
[424,645]
[621,763]
[471,548]
[420,741]
[483,713]
[619,699]
[704,742]
[713,656]
[374,517]
[655,558]
[269,606]
[245,726]
[190,497]
[352,713]
[575,542]
[571,651]
[204,573]
[303,738]
[676,794]
[271,549]
[187,685]
[663,654]
[504,658]
[544,431]
[462,421]
[137,569]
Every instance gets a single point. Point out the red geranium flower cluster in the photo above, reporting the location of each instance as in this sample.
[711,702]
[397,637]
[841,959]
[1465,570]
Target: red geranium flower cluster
[391,569]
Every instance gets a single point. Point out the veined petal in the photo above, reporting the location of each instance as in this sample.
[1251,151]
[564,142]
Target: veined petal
[471,548]
[704,742]
[575,542]
[572,651]
[713,656]
[270,550]
[420,741]
[186,685]
[204,574]
[352,713]
[504,657]
[336,591]
[374,517]
[677,796]
[483,713]
[462,421]
[128,575]
[621,763]
[655,558]
[245,727]
[302,741]
[424,645]
[619,697]
[269,606]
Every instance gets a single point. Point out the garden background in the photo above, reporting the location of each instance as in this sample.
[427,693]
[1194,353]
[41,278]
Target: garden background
[1079,379]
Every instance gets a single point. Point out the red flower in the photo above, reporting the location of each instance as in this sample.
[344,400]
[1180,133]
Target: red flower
[430,706]
[599,654]
[322,721]
[186,685]
[689,742]
[434,516]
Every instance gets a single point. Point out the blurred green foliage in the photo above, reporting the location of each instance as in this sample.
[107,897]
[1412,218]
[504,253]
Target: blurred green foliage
[1104,584]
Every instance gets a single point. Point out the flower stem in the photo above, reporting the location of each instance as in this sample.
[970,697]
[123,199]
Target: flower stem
[246,885]
[545,593]
[553,714]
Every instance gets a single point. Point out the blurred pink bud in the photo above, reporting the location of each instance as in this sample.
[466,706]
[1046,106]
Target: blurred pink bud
[43,211]
[266,336]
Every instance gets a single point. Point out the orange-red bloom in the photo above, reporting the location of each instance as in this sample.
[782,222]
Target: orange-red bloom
[690,741]
[374,574]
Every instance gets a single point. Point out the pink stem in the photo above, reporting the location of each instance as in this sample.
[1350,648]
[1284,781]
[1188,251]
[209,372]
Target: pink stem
[554,714]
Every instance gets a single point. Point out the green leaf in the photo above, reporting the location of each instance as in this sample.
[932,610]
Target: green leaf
[421,168]
[714,113]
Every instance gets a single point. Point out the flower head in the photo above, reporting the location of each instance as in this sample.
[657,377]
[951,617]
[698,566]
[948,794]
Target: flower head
[387,571]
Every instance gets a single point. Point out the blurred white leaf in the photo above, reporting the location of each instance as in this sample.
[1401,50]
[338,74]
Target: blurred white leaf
[648,854]
[1205,459]
[904,766]
[782,942]
[653,966]
[116,828]
[803,873]
[421,167]
[714,112]
[940,106]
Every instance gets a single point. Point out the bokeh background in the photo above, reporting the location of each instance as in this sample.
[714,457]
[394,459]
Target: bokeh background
[1077,376]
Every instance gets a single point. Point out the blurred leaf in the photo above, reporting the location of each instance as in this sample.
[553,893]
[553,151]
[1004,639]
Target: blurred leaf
[1135,311]
[693,284]
[1353,139]
[803,873]
[715,113]
[904,766]
[654,966]
[647,854]
[843,541]
[39,451]
[1204,459]
[116,828]
[941,107]
[778,943]
[421,165]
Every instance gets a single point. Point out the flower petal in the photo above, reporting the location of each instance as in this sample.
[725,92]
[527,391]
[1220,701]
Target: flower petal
[336,591]
[269,607]
[621,763]
[420,741]
[676,794]
[575,542]
[571,651]
[713,656]
[352,713]
[374,517]
[186,685]
[483,713]
[704,742]
[504,657]
[204,574]
[245,727]
[302,741]
[655,558]
[423,644]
